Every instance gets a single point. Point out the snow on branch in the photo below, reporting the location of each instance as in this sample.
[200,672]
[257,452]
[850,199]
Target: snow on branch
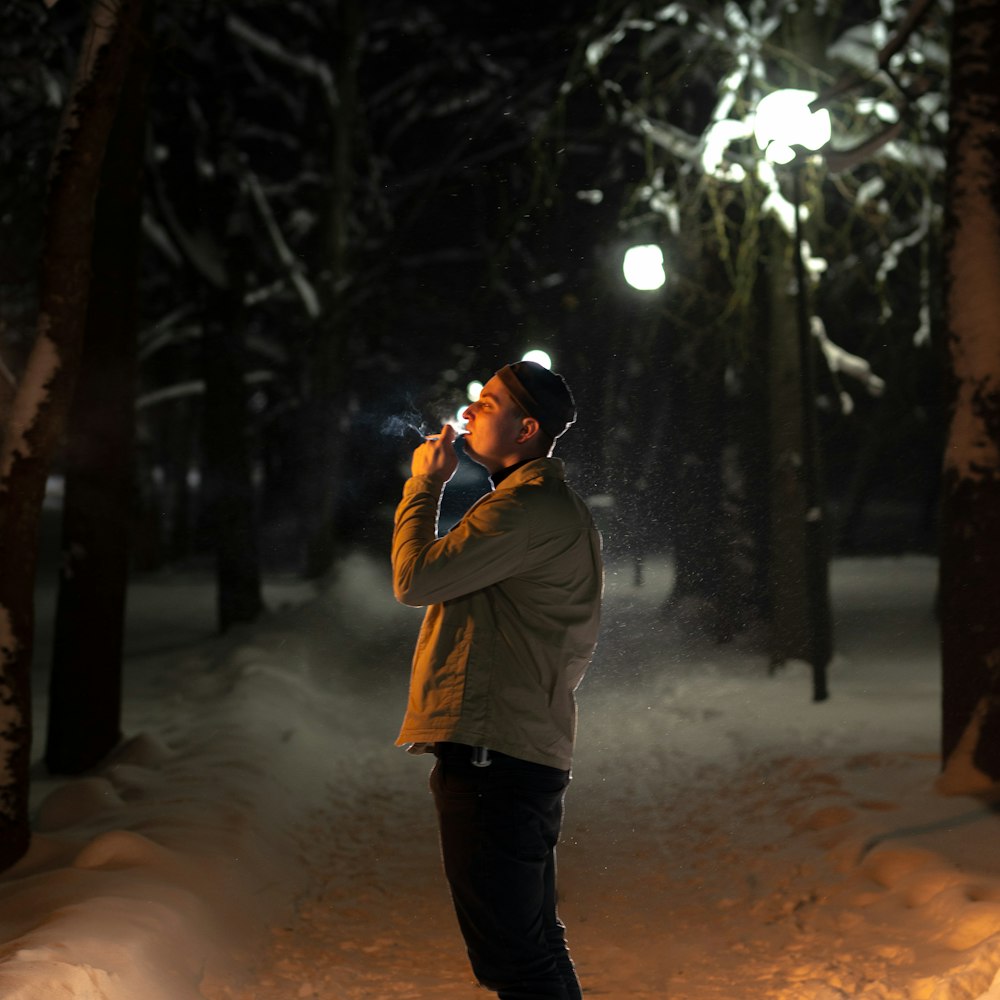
[890,261]
[273,49]
[264,293]
[310,300]
[673,139]
[892,253]
[194,387]
[199,249]
[870,56]
[44,362]
[716,141]
[669,137]
[100,30]
[166,330]
[598,49]
[854,77]
[160,238]
[775,203]
[843,362]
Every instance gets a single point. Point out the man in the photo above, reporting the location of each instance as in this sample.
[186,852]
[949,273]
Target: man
[513,594]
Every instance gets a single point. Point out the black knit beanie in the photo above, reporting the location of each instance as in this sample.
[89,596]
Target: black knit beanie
[542,394]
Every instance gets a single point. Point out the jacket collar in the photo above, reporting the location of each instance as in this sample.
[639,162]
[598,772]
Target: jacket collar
[534,468]
[501,474]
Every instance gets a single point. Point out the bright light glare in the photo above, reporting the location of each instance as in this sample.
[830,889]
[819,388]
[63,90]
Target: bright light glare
[473,389]
[539,357]
[643,267]
[783,119]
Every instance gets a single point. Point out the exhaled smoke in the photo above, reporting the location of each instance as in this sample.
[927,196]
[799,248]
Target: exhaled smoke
[401,424]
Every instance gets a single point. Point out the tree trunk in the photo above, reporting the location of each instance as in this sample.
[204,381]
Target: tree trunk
[750,418]
[797,559]
[970,536]
[325,418]
[43,396]
[90,611]
[698,599]
[227,481]
[228,484]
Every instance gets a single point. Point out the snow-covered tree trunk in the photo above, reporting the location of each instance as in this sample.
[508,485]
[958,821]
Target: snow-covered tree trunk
[970,539]
[97,504]
[45,388]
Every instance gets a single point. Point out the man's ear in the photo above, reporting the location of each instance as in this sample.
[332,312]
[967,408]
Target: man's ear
[529,430]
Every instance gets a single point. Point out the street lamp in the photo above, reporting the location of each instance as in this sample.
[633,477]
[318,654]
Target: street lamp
[643,267]
[539,357]
[783,121]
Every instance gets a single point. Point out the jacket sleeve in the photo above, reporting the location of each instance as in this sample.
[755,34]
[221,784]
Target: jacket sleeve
[486,546]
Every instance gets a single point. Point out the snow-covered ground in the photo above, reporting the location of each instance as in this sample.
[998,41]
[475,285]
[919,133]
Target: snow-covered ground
[259,838]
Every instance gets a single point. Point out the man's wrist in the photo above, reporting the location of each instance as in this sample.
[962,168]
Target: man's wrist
[425,481]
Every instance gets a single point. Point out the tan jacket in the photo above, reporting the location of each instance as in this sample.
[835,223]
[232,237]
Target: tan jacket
[513,594]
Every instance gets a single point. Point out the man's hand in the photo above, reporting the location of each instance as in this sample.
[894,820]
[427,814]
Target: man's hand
[436,457]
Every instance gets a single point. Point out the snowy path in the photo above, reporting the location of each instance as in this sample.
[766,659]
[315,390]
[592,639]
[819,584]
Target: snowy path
[713,834]
[258,837]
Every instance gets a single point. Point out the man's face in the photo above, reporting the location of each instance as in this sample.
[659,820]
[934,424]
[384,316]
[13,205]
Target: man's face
[494,426]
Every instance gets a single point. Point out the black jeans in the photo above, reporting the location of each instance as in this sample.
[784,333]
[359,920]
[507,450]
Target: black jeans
[499,827]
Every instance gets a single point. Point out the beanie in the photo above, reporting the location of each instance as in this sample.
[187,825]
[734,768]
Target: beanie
[542,394]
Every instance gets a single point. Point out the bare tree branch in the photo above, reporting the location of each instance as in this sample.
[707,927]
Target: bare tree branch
[844,159]
[273,49]
[853,78]
[310,300]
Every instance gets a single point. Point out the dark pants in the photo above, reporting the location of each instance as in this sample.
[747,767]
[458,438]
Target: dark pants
[499,827]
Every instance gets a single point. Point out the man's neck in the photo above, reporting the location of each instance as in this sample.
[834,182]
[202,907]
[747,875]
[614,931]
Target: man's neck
[496,478]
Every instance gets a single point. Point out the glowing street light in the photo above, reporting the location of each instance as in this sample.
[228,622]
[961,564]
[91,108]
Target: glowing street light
[539,357]
[784,120]
[643,267]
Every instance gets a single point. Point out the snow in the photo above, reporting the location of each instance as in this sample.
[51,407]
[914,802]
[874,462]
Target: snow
[43,364]
[258,837]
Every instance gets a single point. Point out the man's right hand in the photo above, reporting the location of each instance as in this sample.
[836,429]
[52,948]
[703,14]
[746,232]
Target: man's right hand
[436,457]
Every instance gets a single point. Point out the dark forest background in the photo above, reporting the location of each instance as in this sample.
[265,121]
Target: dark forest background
[314,223]
[389,200]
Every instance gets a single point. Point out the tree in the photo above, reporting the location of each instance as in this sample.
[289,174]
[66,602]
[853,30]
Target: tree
[970,534]
[98,495]
[205,201]
[255,218]
[681,84]
[46,385]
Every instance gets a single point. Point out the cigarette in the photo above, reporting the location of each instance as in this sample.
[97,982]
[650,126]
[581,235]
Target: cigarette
[459,432]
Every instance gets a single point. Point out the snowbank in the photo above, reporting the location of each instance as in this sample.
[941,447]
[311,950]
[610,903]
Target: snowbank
[180,849]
